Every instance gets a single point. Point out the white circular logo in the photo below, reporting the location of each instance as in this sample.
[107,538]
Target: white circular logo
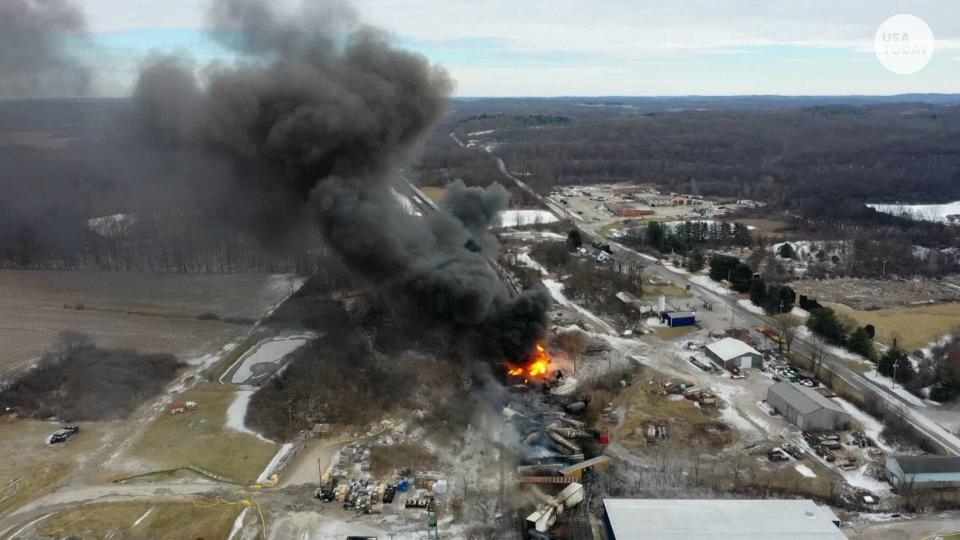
[904,44]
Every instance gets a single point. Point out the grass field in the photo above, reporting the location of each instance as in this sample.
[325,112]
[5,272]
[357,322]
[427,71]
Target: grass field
[31,466]
[652,292]
[147,312]
[670,334]
[202,439]
[914,327]
[142,520]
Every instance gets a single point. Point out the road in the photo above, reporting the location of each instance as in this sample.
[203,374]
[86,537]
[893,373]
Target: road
[924,425]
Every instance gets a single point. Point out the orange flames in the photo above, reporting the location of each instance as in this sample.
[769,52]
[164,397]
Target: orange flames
[537,366]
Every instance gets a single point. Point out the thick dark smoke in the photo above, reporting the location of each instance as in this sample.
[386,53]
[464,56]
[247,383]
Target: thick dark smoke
[325,112]
[476,207]
[33,61]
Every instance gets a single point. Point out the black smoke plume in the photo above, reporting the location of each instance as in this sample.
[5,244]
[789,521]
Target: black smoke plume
[325,112]
[33,61]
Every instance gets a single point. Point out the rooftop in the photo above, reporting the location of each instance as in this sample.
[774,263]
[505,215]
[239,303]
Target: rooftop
[927,464]
[729,348]
[724,519]
[805,400]
[680,314]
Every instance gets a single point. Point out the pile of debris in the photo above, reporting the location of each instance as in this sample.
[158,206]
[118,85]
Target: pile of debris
[698,394]
[544,419]
[555,443]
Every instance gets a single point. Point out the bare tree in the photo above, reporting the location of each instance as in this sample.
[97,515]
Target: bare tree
[787,326]
[817,355]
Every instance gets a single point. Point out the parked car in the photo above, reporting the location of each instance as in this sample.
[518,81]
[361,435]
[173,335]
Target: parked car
[63,434]
[389,494]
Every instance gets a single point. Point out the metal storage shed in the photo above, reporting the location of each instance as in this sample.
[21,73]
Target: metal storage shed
[806,408]
[922,472]
[730,353]
[679,318]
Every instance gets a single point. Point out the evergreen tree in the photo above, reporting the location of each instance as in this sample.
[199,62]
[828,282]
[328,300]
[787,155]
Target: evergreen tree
[574,240]
[741,235]
[741,278]
[657,236]
[860,343]
[758,292]
[696,261]
[780,299]
[722,266]
[825,323]
[786,251]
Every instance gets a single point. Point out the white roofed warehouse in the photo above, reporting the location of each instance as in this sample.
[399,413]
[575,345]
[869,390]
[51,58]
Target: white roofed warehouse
[662,519]
[731,353]
[806,408]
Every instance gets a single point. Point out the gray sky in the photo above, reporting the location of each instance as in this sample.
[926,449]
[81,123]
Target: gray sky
[611,47]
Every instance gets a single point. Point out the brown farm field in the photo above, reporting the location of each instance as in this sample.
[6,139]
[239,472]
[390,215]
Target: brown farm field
[153,313]
[914,327]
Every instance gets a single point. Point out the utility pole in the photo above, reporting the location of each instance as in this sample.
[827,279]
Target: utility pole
[893,383]
[883,268]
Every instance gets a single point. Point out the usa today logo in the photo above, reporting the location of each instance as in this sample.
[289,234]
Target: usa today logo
[904,44]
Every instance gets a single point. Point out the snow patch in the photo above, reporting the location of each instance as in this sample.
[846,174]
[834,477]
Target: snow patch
[237,413]
[871,426]
[532,236]
[710,285]
[525,260]
[522,218]
[143,517]
[940,213]
[266,352]
[804,470]
[113,226]
[556,291]
[751,307]
[237,524]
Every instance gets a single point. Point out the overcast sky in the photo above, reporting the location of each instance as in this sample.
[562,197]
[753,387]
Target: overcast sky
[597,47]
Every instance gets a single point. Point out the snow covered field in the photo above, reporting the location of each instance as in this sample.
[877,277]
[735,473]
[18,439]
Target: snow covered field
[522,218]
[922,212]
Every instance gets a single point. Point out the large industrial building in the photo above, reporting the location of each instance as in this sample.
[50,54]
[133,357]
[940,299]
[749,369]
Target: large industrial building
[806,408]
[658,519]
[732,353]
[923,472]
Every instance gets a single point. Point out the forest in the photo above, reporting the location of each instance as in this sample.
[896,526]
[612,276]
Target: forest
[77,380]
[813,160]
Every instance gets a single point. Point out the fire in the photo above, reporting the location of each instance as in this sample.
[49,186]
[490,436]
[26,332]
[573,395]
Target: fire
[537,366]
